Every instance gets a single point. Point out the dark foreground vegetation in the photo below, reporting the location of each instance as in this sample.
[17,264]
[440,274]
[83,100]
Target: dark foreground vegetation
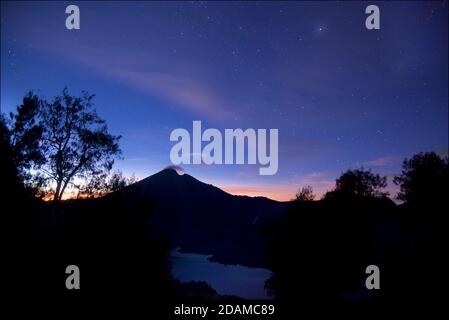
[322,248]
[106,238]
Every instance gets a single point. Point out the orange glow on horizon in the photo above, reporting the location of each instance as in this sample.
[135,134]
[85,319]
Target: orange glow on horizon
[277,193]
[72,196]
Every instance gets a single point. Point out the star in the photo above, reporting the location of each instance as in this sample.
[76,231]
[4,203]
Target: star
[320,29]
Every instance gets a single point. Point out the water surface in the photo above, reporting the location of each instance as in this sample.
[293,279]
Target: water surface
[235,280]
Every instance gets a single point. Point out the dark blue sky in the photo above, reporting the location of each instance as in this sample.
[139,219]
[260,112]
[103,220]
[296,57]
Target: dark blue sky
[341,96]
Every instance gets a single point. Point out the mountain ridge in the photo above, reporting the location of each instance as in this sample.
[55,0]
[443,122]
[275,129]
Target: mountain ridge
[202,218]
[172,172]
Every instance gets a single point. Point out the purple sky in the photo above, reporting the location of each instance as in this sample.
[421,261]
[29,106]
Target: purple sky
[341,96]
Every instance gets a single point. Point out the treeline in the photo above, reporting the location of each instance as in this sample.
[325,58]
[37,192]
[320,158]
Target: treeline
[320,251]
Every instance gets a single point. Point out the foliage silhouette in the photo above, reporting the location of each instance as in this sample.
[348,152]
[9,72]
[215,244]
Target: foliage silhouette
[320,249]
[305,194]
[61,140]
[359,183]
[104,183]
[424,177]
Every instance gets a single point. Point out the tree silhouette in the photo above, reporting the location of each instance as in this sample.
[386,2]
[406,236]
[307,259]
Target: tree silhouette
[62,139]
[424,178]
[10,178]
[361,183]
[99,185]
[305,194]
[24,136]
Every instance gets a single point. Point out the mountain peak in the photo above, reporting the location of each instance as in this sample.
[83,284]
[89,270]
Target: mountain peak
[170,172]
[167,175]
[173,169]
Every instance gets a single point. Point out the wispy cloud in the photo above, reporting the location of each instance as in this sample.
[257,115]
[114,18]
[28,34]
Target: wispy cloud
[386,161]
[180,90]
[175,84]
[178,83]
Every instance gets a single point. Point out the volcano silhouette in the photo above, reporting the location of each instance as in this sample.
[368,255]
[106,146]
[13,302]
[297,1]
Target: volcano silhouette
[201,218]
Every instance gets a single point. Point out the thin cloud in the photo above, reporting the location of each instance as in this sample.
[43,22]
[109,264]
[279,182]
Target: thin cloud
[177,89]
[171,81]
[383,161]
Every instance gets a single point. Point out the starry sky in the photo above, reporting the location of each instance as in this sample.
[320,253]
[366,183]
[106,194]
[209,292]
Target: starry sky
[341,96]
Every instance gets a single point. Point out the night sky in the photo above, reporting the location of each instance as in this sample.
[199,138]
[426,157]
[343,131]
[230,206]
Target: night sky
[341,96]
